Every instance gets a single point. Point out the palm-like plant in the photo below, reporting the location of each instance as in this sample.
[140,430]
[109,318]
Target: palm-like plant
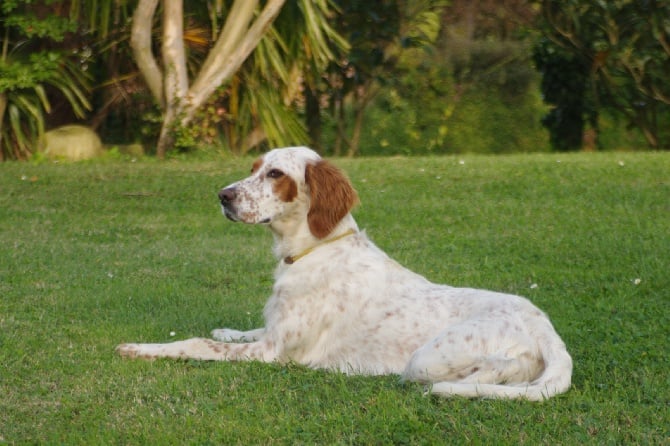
[268,86]
[246,71]
[26,74]
[257,102]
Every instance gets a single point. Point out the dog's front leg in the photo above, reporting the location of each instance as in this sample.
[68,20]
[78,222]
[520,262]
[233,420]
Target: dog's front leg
[202,349]
[230,335]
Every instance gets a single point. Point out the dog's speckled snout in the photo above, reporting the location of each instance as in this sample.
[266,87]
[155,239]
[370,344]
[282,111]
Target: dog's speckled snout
[227,195]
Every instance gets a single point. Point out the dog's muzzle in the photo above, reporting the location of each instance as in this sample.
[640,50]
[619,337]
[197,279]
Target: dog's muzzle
[227,197]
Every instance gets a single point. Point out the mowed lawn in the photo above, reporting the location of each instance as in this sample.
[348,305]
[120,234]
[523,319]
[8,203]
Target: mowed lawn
[95,254]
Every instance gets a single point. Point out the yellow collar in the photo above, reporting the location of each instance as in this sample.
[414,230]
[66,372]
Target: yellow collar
[292,259]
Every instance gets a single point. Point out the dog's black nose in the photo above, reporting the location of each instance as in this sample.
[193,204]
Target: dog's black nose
[227,195]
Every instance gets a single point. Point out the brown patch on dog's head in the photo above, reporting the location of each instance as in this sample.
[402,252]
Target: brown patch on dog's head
[332,197]
[257,165]
[285,188]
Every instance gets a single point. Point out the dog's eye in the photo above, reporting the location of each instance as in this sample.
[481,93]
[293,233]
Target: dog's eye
[275,173]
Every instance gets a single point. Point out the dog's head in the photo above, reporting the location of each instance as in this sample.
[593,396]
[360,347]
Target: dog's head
[288,186]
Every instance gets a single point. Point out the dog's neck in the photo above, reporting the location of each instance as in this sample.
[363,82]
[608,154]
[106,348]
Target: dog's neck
[296,239]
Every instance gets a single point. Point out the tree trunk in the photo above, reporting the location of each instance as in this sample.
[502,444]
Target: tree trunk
[648,132]
[237,23]
[239,37]
[341,120]
[166,138]
[175,76]
[140,43]
[355,141]
[225,59]
[174,72]
[361,101]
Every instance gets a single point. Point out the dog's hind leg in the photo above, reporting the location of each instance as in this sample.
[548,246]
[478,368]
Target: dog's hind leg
[477,351]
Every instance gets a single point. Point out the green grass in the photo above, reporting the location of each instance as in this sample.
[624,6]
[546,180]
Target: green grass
[95,254]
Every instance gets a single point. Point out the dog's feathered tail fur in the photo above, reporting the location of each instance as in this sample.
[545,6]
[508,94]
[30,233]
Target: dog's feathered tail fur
[552,381]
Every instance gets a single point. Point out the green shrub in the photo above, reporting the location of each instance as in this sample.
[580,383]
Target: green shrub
[29,73]
[479,97]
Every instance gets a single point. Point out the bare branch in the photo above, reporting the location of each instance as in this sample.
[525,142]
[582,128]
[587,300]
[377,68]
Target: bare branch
[236,25]
[140,42]
[220,67]
[174,56]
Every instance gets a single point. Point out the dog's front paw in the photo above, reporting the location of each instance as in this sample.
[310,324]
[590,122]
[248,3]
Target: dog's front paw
[227,335]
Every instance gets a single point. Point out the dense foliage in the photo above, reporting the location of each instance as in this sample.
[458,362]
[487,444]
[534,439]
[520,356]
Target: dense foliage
[351,77]
[605,56]
[34,67]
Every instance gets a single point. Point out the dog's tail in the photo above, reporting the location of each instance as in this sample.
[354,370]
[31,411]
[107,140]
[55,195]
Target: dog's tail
[555,378]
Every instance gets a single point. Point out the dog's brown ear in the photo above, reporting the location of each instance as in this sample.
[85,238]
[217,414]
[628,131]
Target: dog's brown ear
[332,197]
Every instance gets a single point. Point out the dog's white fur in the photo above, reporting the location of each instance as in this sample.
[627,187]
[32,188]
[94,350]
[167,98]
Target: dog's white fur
[346,305]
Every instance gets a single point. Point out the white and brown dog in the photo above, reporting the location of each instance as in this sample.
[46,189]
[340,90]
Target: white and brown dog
[339,302]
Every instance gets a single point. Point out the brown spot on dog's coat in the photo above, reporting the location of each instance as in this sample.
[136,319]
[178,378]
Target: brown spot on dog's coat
[285,188]
[257,165]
